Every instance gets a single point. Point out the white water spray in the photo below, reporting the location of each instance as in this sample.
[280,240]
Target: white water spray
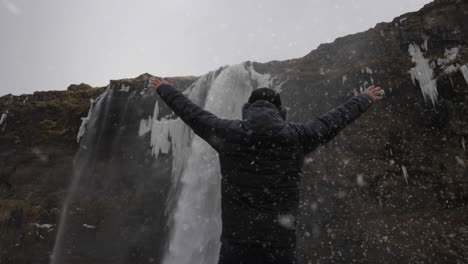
[79,166]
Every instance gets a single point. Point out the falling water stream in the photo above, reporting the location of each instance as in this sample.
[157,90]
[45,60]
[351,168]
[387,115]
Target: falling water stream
[192,206]
[197,217]
[81,165]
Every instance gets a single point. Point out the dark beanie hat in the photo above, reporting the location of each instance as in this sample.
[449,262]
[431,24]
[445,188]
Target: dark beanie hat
[266,94]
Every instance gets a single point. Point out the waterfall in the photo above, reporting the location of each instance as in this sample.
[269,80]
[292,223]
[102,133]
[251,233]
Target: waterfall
[196,230]
[81,164]
[144,187]
[113,211]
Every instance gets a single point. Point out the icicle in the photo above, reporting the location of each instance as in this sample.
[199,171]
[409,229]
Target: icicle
[463,143]
[424,45]
[464,71]
[423,73]
[451,69]
[3,118]
[85,120]
[161,131]
[450,55]
[49,227]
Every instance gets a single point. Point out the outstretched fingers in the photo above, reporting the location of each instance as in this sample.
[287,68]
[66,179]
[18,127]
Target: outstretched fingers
[155,82]
[375,92]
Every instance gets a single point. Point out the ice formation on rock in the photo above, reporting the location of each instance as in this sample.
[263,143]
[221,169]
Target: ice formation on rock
[124,88]
[85,120]
[464,71]
[3,119]
[423,73]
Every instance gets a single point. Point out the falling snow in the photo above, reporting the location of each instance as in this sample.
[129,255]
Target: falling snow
[40,154]
[286,221]
[460,161]
[89,226]
[11,7]
[360,180]
[405,173]
[44,226]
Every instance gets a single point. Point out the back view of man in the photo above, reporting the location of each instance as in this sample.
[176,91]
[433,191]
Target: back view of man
[261,158]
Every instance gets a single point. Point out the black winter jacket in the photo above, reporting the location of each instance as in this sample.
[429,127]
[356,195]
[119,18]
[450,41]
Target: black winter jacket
[261,159]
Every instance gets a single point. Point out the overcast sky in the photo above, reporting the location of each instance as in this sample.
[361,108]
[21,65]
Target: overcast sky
[50,44]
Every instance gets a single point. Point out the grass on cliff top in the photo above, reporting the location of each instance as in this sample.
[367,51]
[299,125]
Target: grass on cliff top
[45,117]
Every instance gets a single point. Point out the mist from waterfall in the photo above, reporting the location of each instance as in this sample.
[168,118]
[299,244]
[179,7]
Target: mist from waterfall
[81,165]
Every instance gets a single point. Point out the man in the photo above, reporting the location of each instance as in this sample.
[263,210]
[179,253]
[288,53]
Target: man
[261,158]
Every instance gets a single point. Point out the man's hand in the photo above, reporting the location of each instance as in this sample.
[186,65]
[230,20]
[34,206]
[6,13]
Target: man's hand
[156,82]
[374,92]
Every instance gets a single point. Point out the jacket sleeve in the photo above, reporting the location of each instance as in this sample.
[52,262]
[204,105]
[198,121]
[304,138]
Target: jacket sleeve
[323,129]
[205,124]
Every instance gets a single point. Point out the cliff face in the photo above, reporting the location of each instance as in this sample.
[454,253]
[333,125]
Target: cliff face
[391,188]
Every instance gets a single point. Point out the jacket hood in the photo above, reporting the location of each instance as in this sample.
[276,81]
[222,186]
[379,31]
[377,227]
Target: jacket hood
[263,118]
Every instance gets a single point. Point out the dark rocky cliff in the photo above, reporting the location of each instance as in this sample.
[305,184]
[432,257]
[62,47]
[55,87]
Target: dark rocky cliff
[391,188]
